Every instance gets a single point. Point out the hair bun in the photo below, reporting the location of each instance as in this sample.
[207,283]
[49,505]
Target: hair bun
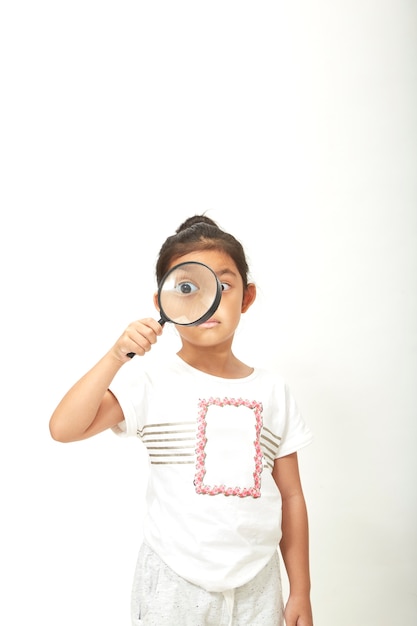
[196,219]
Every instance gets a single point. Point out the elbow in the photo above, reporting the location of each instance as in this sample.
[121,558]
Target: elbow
[57,436]
[58,433]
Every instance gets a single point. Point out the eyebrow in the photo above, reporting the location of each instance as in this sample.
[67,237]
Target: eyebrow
[225,272]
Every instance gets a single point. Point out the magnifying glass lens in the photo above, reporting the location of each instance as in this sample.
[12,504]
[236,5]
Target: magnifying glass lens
[189,294]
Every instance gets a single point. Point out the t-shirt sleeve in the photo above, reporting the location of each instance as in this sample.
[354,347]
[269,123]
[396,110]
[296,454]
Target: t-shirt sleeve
[129,388]
[295,433]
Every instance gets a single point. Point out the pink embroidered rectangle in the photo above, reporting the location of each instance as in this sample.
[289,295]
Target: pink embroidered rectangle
[253,490]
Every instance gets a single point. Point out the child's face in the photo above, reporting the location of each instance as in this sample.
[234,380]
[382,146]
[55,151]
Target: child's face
[235,300]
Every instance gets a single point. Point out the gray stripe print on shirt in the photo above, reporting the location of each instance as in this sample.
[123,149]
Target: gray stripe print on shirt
[269,445]
[169,443]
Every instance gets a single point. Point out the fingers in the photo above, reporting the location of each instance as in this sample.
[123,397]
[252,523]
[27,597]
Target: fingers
[138,338]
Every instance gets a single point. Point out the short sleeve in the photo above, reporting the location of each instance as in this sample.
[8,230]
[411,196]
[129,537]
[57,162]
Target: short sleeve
[129,388]
[295,434]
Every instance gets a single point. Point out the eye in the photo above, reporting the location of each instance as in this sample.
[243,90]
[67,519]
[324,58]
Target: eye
[185,287]
[225,286]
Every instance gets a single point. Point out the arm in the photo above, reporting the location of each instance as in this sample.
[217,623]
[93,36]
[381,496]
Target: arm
[89,407]
[294,543]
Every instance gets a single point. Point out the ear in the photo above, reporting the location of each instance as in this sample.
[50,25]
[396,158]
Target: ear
[156,301]
[249,296]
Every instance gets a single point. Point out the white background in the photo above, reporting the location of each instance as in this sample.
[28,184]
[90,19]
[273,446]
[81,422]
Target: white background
[294,126]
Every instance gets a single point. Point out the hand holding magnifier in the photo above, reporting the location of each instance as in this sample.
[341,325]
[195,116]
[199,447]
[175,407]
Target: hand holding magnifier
[188,295]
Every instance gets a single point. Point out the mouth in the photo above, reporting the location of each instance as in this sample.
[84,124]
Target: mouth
[209,324]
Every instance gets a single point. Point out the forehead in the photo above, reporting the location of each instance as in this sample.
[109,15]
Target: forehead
[218,260]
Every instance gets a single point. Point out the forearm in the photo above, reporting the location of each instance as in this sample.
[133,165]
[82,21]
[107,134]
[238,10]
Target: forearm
[80,406]
[295,544]
[89,408]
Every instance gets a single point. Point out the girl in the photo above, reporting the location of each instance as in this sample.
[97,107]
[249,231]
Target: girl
[224,490]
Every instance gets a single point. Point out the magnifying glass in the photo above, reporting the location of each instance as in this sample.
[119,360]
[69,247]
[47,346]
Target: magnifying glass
[188,295]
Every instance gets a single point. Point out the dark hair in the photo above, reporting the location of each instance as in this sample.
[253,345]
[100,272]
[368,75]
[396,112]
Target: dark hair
[201,233]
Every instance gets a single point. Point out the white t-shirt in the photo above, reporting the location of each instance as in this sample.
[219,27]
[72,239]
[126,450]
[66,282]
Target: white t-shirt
[213,507]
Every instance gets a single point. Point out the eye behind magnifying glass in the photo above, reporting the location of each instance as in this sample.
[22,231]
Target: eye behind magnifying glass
[186,288]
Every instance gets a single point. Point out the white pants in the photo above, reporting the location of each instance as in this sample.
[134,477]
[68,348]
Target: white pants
[162,598]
